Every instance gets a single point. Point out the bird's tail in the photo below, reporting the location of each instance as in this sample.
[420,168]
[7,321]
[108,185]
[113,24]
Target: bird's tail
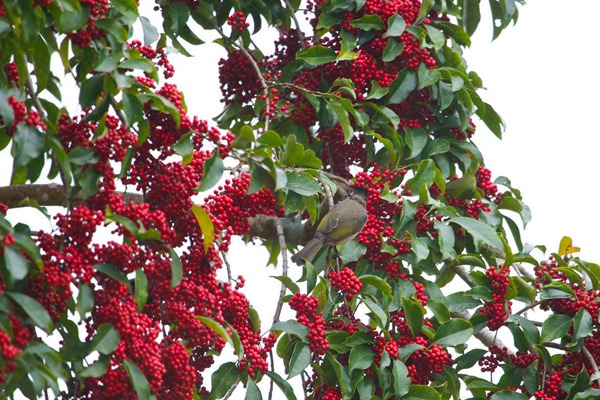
[308,252]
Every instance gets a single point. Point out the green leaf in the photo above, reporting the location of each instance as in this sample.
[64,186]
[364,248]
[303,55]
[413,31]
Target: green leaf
[393,49]
[361,358]
[368,22]
[424,176]
[162,104]
[396,26]
[344,119]
[292,327]
[421,392]
[303,184]
[29,145]
[317,55]
[141,289]
[299,359]
[176,269]
[252,391]
[379,283]
[582,324]
[113,272]
[90,91]
[150,31]
[416,139]
[401,87]
[427,77]
[462,188]
[589,394]
[106,339]
[288,283]
[41,62]
[97,369]
[222,332]
[16,264]
[138,380]
[401,381]
[479,230]
[185,148]
[352,251]
[470,16]
[437,37]
[446,239]
[454,332]
[38,314]
[554,327]
[508,395]
[413,314]
[492,120]
[295,154]
[285,387]
[213,171]
[222,380]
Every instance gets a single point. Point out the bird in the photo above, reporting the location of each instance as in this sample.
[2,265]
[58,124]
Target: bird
[340,225]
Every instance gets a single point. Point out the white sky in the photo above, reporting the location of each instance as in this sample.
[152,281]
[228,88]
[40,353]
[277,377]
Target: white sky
[541,78]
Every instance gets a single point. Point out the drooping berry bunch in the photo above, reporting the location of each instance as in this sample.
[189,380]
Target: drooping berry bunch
[498,309]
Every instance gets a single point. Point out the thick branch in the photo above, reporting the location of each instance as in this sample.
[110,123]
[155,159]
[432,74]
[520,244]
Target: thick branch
[485,336]
[50,194]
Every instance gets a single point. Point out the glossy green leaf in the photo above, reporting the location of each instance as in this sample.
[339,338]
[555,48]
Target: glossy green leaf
[141,289]
[401,87]
[16,264]
[423,177]
[252,391]
[317,55]
[138,380]
[213,171]
[379,283]
[555,326]
[288,283]
[479,230]
[106,340]
[38,314]
[413,313]
[508,395]
[299,359]
[392,49]
[401,379]
[352,251]
[222,380]
[368,22]
[421,392]
[292,327]
[361,358]
[416,139]
[454,332]
[395,26]
[176,269]
[283,385]
[113,272]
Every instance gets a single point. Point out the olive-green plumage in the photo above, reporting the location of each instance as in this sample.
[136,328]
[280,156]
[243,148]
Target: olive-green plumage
[340,225]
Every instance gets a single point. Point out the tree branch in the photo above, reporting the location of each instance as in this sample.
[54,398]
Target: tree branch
[485,336]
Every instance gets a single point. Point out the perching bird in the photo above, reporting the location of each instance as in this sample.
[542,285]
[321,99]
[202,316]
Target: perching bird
[340,225]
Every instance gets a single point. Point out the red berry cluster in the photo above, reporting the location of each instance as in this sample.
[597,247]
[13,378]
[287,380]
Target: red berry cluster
[498,309]
[158,57]
[379,227]
[345,282]
[12,344]
[84,37]
[552,390]
[237,21]
[306,314]
[327,393]
[231,207]
[586,299]
[489,363]
[523,360]
[22,115]
[238,78]
[484,182]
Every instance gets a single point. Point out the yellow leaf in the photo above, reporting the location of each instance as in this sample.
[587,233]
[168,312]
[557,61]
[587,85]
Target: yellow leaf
[566,246]
[206,225]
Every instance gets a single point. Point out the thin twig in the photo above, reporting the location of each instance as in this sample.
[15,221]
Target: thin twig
[36,101]
[327,192]
[591,360]
[523,271]
[299,32]
[283,288]
[262,80]
[231,390]
[521,311]
[228,266]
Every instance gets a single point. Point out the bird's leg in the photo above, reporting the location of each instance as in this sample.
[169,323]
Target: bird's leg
[338,259]
[328,260]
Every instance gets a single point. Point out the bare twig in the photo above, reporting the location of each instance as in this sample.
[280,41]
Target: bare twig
[485,336]
[591,360]
[282,290]
[227,266]
[231,390]
[299,32]
[262,80]
[36,102]
[523,271]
